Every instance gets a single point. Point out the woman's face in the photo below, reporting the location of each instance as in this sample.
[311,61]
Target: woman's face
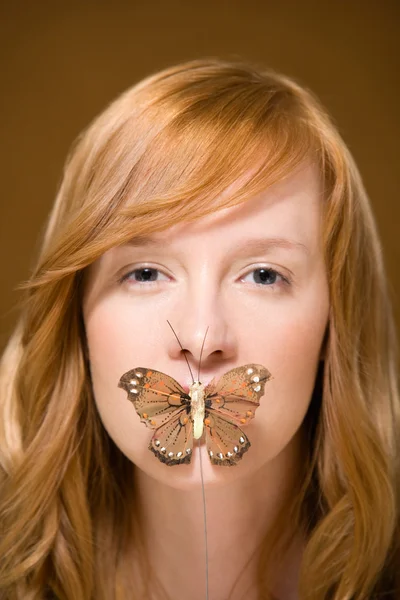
[252,274]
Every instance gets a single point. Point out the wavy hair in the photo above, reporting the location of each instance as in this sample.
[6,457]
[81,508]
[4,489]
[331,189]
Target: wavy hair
[162,153]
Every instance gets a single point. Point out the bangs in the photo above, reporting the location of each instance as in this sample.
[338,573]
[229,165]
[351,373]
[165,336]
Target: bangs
[216,152]
[176,148]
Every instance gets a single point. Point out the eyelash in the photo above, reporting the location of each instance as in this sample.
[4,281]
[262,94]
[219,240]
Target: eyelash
[126,277]
[285,280]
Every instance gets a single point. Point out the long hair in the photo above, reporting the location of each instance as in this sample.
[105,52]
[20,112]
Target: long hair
[163,153]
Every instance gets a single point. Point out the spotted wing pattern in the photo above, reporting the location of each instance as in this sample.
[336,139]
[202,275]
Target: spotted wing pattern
[155,396]
[163,405]
[237,394]
[172,443]
[226,442]
[231,404]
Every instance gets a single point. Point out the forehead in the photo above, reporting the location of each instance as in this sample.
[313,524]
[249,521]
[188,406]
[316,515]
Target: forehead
[291,209]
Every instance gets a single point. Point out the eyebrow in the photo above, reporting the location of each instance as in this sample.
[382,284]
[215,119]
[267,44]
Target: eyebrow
[256,245]
[142,240]
[260,245]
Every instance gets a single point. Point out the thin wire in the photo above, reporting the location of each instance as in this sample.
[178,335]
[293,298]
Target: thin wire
[201,353]
[205,517]
[201,460]
[184,351]
[202,481]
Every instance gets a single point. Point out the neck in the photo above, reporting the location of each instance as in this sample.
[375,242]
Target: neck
[239,516]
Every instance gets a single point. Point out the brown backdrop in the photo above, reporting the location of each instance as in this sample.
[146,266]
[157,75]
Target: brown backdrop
[61,63]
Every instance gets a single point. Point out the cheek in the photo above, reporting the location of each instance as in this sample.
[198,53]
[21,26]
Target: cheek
[112,352]
[298,348]
[117,340]
[292,355]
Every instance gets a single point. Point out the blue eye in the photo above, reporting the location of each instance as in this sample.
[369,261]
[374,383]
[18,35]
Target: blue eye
[144,275]
[265,276]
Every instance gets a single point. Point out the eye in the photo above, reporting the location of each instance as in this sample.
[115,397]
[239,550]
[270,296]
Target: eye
[144,275]
[265,276]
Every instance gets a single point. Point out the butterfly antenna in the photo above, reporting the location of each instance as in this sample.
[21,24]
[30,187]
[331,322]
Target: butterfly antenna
[183,350]
[201,352]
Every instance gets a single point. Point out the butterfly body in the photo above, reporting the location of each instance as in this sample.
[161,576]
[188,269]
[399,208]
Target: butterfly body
[196,393]
[220,409]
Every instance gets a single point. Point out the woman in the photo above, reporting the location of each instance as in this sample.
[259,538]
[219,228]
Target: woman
[220,199]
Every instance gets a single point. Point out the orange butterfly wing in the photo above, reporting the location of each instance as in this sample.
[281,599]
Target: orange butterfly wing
[172,443]
[231,404]
[226,442]
[163,405]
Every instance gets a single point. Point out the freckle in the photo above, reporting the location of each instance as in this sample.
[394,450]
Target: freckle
[249,413]
[207,422]
[145,415]
[243,385]
[149,373]
[185,420]
[243,420]
[218,400]
[153,422]
[146,385]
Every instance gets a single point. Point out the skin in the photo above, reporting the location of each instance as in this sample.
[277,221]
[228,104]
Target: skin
[207,274]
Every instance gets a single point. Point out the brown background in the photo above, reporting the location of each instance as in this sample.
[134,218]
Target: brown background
[62,62]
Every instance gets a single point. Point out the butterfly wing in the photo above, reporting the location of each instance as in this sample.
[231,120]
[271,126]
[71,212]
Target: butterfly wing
[237,394]
[230,404]
[163,405]
[226,442]
[155,396]
[172,443]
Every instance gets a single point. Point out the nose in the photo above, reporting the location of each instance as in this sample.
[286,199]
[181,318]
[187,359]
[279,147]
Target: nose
[205,332]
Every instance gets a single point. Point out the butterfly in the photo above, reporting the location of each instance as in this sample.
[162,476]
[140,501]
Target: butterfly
[177,417]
